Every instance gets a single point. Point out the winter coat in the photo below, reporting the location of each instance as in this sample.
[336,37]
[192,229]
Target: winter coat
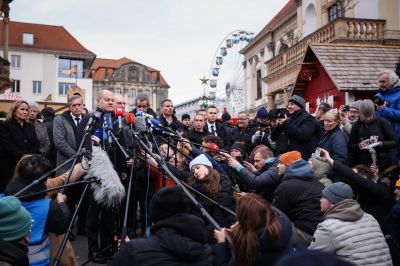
[353,235]
[52,154]
[196,137]
[174,125]
[374,198]
[177,240]
[245,134]
[298,196]
[377,127]
[335,142]
[13,253]
[264,182]
[299,132]
[392,111]
[270,250]
[15,141]
[67,137]
[321,170]
[43,137]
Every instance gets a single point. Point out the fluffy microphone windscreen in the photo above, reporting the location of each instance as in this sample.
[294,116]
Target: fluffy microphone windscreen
[140,124]
[110,191]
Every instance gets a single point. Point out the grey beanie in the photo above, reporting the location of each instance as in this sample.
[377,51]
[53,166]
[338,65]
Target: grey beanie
[201,160]
[356,105]
[298,100]
[337,192]
[367,108]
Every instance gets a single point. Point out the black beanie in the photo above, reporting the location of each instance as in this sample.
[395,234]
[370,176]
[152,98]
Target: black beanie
[240,147]
[167,202]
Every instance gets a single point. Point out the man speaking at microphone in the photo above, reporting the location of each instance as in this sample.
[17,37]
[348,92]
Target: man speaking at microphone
[101,220]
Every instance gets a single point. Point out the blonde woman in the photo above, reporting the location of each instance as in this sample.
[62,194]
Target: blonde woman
[17,137]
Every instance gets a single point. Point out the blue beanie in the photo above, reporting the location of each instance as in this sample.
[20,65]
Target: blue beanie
[262,113]
[201,160]
[337,192]
[15,220]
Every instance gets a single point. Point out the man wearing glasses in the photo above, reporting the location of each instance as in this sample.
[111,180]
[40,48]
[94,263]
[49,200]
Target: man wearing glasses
[244,131]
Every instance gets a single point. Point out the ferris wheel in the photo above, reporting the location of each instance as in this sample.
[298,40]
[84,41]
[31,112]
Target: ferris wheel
[226,81]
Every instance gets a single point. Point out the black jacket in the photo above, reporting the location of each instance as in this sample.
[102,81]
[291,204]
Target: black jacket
[196,137]
[298,196]
[374,198]
[174,125]
[263,183]
[335,142]
[16,141]
[13,253]
[377,127]
[299,132]
[177,240]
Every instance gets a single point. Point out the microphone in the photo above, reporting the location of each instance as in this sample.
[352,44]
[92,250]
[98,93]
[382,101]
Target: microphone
[94,117]
[373,145]
[119,113]
[160,131]
[107,127]
[110,190]
[141,124]
[146,115]
[130,119]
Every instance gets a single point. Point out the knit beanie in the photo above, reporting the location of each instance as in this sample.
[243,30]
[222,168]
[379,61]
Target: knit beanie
[15,220]
[367,108]
[398,183]
[167,202]
[337,192]
[225,117]
[240,147]
[290,157]
[201,160]
[297,100]
[262,113]
[356,105]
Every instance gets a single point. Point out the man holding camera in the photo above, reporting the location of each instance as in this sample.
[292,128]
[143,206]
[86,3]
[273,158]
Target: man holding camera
[387,100]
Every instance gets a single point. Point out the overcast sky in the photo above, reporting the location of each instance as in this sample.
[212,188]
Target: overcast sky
[177,37]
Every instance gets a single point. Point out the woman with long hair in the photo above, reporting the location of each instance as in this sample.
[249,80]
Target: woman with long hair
[209,182]
[261,235]
[17,137]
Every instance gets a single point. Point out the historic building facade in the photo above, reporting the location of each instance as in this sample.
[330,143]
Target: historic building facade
[273,60]
[128,78]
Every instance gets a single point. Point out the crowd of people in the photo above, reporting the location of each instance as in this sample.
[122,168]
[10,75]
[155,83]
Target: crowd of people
[284,187]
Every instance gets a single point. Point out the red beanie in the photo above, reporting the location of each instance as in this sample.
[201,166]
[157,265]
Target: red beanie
[290,157]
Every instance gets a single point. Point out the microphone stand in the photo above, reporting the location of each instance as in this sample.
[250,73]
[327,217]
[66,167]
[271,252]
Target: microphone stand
[162,164]
[124,229]
[44,176]
[85,181]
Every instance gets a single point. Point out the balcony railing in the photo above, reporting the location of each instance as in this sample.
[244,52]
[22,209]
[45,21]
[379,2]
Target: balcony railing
[340,30]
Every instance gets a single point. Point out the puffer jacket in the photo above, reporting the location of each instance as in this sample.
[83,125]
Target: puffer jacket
[392,111]
[298,196]
[353,235]
[177,240]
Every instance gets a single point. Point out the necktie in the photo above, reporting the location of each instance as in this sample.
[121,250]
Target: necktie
[77,119]
[212,130]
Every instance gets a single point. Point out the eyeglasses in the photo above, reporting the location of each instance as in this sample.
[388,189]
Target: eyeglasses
[382,81]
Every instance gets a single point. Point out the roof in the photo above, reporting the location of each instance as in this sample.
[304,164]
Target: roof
[354,67]
[46,37]
[281,15]
[100,65]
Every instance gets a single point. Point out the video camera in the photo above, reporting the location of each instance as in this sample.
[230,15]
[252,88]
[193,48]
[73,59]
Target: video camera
[378,100]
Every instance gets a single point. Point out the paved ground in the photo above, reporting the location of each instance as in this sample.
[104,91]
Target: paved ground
[81,250]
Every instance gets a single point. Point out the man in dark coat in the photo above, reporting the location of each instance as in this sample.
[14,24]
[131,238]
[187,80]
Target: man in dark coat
[198,132]
[298,197]
[177,238]
[167,117]
[142,104]
[244,131]
[48,115]
[298,131]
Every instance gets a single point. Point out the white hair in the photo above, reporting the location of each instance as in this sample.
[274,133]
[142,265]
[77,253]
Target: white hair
[393,78]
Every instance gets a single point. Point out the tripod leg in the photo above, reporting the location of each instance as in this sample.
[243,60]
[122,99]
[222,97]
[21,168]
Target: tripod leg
[64,242]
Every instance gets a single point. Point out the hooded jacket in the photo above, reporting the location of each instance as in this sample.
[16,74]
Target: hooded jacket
[298,196]
[177,240]
[392,111]
[353,235]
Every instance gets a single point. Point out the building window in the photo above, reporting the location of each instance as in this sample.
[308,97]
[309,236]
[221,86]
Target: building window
[37,87]
[335,11]
[27,38]
[70,68]
[16,61]
[16,86]
[117,91]
[63,87]
[259,85]
[132,94]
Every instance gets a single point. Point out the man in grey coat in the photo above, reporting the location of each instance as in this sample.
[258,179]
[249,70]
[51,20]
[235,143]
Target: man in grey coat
[347,231]
[68,132]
